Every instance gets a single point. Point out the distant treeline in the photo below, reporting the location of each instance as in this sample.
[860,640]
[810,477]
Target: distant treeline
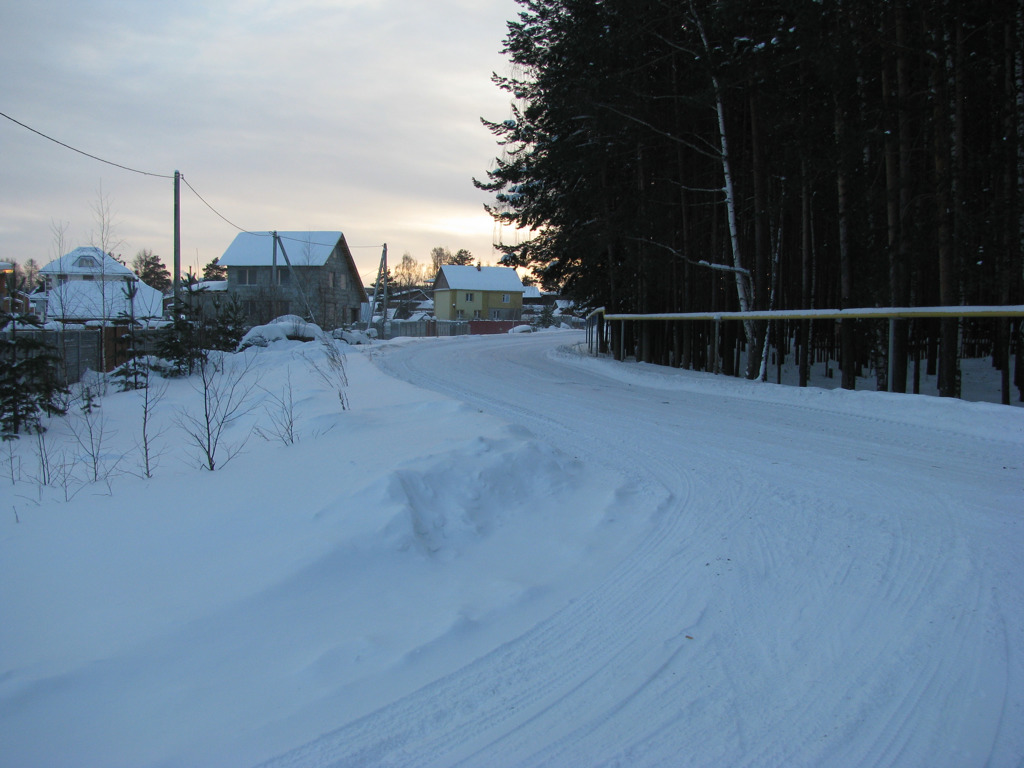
[678,156]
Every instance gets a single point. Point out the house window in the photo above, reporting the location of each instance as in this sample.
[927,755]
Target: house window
[87,261]
[246,276]
[495,314]
[469,297]
[506,298]
[330,280]
[284,277]
[476,314]
[459,314]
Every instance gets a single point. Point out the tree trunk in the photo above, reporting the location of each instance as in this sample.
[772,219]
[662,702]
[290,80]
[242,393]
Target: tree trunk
[949,379]
[805,273]
[847,363]
[897,182]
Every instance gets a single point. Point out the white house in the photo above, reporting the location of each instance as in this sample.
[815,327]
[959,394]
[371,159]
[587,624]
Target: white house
[88,284]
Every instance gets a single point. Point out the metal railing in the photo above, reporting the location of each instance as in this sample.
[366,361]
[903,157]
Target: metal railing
[598,322]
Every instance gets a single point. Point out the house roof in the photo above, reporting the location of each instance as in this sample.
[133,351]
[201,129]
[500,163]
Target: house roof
[87,260]
[468,278]
[304,249]
[207,285]
[79,300]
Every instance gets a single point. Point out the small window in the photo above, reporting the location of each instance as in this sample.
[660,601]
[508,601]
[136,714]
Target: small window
[459,314]
[330,280]
[506,298]
[476,314]
[469,297]
[284,276]
[87,262]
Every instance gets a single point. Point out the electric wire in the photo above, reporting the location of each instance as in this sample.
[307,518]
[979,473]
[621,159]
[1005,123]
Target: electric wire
[181,176]
[81,152]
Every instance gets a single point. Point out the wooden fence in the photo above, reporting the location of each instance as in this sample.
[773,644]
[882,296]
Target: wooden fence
[90,348]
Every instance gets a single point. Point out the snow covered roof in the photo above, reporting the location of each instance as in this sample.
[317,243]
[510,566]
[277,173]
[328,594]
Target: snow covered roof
[208,285]
[304,249]
[469,278]
[78,300]
[87,260]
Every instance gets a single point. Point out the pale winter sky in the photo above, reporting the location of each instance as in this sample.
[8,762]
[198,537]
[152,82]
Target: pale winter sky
[354,115]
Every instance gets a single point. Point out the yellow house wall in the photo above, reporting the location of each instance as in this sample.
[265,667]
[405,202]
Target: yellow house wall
[448,303]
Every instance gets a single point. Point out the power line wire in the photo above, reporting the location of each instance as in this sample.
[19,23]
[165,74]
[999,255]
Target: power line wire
[165,176]
[81,152]
[218,213]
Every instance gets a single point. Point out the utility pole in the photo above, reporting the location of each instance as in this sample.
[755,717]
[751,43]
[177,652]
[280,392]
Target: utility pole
[297,286]
[177,237]
[379,286]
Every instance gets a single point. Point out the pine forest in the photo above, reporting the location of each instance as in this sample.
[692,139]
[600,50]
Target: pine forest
[673,156]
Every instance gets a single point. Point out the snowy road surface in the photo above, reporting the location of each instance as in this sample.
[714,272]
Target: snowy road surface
[808,578]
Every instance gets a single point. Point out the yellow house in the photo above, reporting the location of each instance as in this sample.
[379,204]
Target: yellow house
[477,293]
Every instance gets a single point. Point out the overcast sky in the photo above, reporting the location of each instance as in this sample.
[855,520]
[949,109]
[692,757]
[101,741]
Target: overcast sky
[352,115]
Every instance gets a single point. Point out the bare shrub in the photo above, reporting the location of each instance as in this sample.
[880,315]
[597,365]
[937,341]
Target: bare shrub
[331,369]
[281,413]
[149,397]
[225,388]
[90,432]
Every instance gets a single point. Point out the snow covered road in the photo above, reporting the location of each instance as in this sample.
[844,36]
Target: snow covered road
[811,578]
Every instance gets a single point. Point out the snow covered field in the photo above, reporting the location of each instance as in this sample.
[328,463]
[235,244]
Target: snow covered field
[506,554]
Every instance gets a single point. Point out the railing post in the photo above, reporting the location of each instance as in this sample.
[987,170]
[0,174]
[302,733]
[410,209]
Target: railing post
[888,356]
[715,366]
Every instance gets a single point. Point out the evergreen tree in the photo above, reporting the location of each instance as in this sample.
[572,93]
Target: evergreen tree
[228,325]
[133,373]
[29,382]
[182,344]
[215,271]
[151,270]
[717,155]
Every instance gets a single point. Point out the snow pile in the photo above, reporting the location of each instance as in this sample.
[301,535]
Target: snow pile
[353,336]
[286,327]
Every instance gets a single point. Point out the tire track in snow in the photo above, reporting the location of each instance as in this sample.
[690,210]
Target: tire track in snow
[536,671]
[615,674]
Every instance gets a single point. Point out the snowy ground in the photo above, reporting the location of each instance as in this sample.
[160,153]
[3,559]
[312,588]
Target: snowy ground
[508,554]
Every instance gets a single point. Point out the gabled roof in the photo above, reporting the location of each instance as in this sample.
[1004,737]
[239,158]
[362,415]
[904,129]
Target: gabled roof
[88,260]
[304,249]
[467,278]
